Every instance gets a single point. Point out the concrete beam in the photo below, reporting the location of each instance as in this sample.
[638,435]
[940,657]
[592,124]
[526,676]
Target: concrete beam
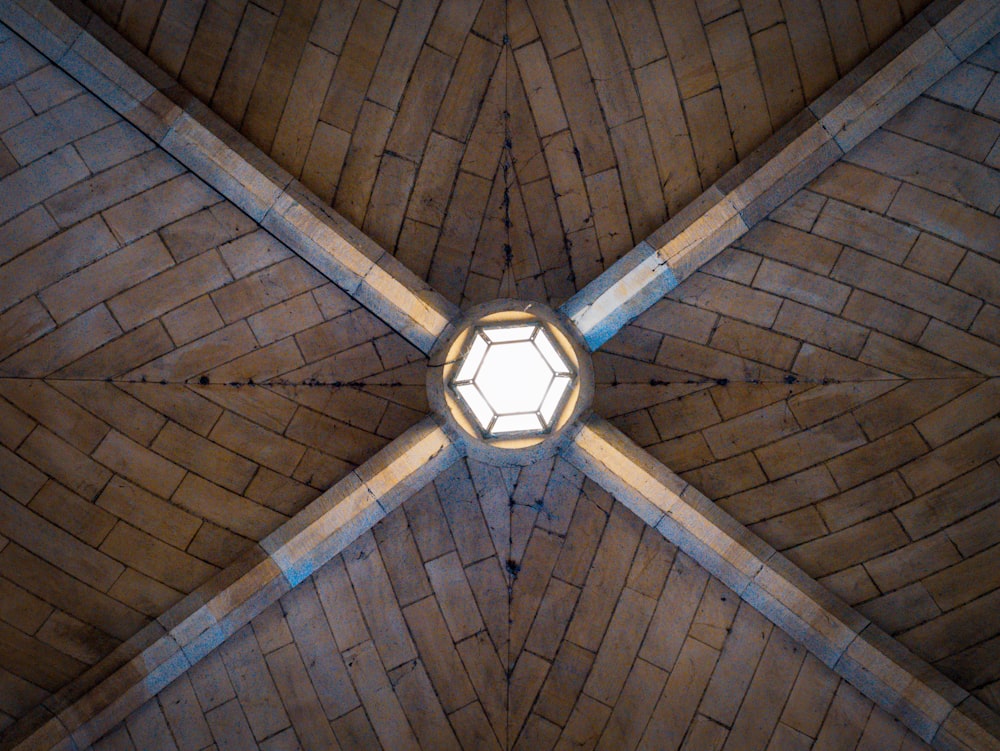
[87,709]
[919,55]
[924,700]
[98,58]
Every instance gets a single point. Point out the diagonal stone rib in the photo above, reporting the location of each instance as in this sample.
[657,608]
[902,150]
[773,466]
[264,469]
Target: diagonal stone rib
[88,708]
[927,48]
[924,700]
[131,84]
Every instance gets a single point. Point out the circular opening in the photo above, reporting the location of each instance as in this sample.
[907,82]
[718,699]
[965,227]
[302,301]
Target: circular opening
[509,380]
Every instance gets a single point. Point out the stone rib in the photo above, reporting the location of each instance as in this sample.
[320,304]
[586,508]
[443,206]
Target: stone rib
[924,700]
[919,55]
[139,669]
[131,84]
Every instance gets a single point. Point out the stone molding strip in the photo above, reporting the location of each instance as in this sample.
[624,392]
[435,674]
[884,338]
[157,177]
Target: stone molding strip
[909,63]
[929,704]
[91,706]
[98,58]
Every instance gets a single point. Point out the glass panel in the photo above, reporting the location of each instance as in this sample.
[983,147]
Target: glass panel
[514,377]
[510,333]
[550,353]
[560,385]
[472,360]
[477,404]
[517,424]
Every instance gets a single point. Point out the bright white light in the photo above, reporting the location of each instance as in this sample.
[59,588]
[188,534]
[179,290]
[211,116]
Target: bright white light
[513,379]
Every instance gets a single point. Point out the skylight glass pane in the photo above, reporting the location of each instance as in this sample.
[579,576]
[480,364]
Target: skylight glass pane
[560,384]
[510,333]
[517,424]
[514,377]
[550,353]
[476,353]
[477,404]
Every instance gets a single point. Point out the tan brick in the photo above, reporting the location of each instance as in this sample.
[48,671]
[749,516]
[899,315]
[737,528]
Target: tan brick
[218,546]
[906,288]
[934,257]
[912,562]
[299,697]
[791,246]
[741,87]
[849,546]
[177,402]
[56,546]
[817,444]
[949,219]
[200,356]
[57,127]
[640,180]
[852,585]
[947,127]
[820,328]
[866,231]
[877,457]
[60,460]
[885,316]
[42,178]
[60,415]
[147,512]
[21,609]
[964,581]
[55,258]
[192,320]
[204,457]
[730,299]
[949,503]
[901,609]
[168,290]
[755,343]
[783,532]
[265,288]
[681,695]
[941,171]
[773,50]
[162,205]
[139,464]
[69,594]
[870,499]
[112,186]
[107,277]
[295,129]
[75,638]
[226,509]
[25,231]
[751,430]
[112,145]
[77,516]
[540,85]
[954,458]
[253,684]
[781,496]
[583,111]
[713,147]
[958,346]
[856,185]
[799,211]
[727,477]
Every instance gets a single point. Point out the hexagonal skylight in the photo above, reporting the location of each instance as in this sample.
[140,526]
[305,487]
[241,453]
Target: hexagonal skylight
[513,379]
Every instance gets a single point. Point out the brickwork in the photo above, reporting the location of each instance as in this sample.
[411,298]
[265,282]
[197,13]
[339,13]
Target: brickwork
[610,637]
[174,383]
[614,115]
[830,380]
[846,349]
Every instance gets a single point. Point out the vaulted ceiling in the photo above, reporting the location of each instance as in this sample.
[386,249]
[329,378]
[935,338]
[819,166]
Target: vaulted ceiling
[176,382]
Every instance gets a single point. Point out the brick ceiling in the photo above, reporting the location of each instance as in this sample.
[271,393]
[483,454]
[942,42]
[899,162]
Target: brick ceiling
[175,382]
